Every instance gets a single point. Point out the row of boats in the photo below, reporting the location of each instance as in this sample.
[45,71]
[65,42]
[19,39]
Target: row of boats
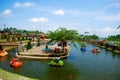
[95,50]
[15,62]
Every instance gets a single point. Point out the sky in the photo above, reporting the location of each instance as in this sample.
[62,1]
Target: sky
[99,17]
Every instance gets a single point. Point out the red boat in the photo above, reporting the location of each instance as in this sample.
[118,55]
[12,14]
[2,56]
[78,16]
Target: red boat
[95,50]
[15,62]
[3,53]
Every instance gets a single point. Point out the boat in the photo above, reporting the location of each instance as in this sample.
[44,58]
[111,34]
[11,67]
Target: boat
[83,49]
[95,50]
[56,62]
[3,53]
[15,62]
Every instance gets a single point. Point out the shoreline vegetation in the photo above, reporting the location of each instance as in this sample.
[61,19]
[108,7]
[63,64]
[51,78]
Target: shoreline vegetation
[111,47]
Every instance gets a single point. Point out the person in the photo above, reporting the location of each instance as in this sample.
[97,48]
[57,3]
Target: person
[46,46]
[20,42]
[56,50]
[57,60]
[1,49]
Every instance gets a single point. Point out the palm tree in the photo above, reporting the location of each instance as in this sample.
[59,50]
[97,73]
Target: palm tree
[64,35]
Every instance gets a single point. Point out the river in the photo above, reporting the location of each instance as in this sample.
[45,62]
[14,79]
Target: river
[78,66]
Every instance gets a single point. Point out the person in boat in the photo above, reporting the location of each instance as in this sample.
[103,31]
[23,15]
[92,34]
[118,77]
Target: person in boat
[97,50]
[46,47]
[83,49]
[56,50]
[1,49]
[15,62]
[15,59]
[57,60]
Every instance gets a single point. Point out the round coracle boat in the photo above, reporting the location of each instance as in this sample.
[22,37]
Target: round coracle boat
[95,50]
[15,63]
[56,62]
[83,49]
[3,53]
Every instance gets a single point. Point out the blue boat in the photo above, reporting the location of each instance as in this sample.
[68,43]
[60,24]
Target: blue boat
[83,49]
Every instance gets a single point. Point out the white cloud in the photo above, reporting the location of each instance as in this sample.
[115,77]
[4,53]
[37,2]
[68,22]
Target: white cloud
[117,5]
[118,14]
[110,31]
[59,12]
[103,32]
[106,29]
[110,18]
[25,4]
[41,19]
[6,13]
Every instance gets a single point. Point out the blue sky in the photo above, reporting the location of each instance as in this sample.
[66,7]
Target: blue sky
[100,17]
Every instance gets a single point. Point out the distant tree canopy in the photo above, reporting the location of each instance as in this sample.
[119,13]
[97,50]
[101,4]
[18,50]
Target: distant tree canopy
[15,30]
[93,37]
[114,37]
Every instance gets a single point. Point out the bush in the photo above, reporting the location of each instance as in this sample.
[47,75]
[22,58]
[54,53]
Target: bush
[38,42]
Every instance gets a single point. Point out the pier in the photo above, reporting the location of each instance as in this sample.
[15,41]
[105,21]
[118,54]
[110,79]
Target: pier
[38,53]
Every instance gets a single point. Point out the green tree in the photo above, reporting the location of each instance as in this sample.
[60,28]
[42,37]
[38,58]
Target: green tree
[64,35]
[29,45]
[38,42]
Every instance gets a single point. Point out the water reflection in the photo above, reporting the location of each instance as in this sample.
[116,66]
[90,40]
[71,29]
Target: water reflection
[3,59]
[67,72]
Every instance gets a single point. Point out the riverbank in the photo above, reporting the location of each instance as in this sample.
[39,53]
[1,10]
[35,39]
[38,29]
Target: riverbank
[8,48]
[5,75]
[107,46]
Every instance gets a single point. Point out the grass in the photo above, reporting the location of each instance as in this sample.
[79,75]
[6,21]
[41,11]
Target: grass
[5,75]
[118,43]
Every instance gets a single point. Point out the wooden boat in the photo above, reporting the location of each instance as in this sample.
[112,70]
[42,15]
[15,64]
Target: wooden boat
[56,62]
[3,53]
[95,50]
[15,62]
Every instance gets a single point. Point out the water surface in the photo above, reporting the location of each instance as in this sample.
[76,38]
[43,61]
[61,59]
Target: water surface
[78,66]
